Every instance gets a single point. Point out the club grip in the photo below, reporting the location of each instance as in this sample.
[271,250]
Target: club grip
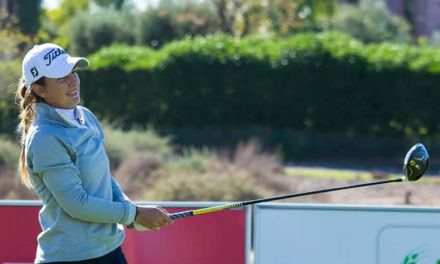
[181,215]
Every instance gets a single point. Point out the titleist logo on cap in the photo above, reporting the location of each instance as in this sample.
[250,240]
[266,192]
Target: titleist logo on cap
[52,54]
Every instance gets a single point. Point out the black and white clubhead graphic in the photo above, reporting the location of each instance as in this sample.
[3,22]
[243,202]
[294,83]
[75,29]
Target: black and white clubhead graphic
[416,162]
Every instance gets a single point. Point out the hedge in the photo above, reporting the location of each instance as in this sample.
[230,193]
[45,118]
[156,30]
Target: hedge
[313,87]
[322,82]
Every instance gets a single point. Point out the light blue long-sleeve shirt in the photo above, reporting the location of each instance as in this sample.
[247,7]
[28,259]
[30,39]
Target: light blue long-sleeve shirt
[84,209]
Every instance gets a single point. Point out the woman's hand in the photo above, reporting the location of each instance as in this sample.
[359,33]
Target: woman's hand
[152,216]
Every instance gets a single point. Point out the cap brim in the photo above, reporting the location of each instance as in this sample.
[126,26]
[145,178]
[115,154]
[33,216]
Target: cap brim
[81,62]
[65,65]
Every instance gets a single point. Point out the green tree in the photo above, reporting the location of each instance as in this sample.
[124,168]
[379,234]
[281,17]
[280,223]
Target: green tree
[90,32]
[435,39]
[118,4]
[28,15]
[371,21]
[227,13]
[173,19]
[56,22]
[13,45]
[12,41]
[279,17]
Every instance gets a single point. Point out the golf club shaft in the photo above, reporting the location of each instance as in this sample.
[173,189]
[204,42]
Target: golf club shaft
[274,198]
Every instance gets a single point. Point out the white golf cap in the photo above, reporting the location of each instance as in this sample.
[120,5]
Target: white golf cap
[49,60]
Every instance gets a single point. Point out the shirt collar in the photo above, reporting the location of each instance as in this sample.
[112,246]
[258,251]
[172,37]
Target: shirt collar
[53,115]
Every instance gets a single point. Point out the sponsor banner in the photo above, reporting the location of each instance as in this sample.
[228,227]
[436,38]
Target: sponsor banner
[295,233]
[217,238]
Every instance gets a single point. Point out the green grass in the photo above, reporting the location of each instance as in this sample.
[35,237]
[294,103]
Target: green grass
[342,174]
[336,173]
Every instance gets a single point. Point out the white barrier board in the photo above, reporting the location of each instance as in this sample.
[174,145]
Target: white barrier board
[311,234]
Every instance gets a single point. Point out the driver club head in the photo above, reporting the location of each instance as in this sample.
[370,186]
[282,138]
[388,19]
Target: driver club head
[416,162]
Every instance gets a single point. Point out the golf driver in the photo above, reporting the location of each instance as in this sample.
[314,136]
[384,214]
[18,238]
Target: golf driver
[414,166]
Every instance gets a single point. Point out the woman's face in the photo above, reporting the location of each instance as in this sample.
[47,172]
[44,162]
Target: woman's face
[62,92]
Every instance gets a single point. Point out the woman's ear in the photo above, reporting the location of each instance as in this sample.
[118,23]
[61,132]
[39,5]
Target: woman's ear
[38,90]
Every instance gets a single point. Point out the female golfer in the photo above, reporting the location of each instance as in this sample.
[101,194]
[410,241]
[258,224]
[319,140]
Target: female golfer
[63,159]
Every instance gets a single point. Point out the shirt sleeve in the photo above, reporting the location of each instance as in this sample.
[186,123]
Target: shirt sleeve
[118,194]
[53,164]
